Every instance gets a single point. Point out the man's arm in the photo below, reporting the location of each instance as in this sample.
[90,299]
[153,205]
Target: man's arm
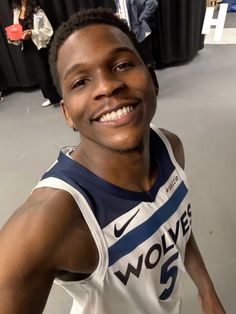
[193,260]
[149,7]
[37,242]
[196,269]
[25,295]
[25,278]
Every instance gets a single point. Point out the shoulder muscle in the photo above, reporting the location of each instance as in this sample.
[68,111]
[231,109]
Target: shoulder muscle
[177,147]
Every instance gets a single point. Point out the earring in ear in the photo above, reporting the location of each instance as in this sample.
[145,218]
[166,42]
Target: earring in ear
[74,129]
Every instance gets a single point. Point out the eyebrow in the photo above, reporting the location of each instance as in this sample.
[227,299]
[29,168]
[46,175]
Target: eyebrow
[73,68]
[121,49]
[77,66]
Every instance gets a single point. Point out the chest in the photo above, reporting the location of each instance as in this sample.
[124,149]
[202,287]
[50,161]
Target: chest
[145,240]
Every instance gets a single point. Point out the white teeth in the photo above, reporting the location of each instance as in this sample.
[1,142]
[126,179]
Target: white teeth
[116,114]
[113,115]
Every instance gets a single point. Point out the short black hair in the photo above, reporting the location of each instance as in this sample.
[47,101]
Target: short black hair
[80,20]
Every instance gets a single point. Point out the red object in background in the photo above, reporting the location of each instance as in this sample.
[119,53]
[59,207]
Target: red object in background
[14,32]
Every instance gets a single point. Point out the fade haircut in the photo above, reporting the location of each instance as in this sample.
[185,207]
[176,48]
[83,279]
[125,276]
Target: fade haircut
[80,20]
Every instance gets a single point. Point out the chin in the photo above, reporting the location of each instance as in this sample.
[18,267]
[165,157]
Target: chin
[128,145]
[135,149]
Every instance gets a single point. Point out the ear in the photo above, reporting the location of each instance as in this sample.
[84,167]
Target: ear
[154,78]
[66,114]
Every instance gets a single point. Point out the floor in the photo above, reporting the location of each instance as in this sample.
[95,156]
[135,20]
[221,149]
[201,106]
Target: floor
[196,101]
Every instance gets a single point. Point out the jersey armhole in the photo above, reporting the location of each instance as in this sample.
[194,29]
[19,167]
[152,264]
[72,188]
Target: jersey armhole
[168,146]
[90,220]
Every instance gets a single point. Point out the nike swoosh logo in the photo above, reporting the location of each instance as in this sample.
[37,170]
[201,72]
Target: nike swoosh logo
[119,232]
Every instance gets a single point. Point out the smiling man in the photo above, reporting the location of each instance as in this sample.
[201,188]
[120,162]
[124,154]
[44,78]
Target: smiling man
[110,221]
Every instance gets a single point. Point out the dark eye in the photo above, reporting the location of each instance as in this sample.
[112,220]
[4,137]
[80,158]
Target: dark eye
[124,66]
[80,83]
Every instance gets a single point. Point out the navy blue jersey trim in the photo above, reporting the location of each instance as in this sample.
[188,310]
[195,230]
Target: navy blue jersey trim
[67,179]
[141,233]
[108,201]
[89,180]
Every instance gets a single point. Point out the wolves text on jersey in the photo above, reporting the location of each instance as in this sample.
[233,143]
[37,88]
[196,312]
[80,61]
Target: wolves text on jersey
[152,258]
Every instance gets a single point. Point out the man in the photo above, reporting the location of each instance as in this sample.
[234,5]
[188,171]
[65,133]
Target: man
[111,219]
[137,14]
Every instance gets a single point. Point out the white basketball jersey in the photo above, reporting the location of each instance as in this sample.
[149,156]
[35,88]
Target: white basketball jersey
[140,236]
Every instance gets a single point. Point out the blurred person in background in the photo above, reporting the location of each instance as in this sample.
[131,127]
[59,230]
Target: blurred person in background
[137,15]
[37,32]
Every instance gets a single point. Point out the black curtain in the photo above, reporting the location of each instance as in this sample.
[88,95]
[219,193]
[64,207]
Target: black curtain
[177,30]
[176,34]
[59,11]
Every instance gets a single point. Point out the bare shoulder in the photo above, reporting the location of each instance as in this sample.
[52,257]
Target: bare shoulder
[43,209]
[30,250]
[177,146]
[46,235]
[36,229]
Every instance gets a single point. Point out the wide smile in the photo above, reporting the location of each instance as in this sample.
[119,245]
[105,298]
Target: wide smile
[120,115]
[114,115]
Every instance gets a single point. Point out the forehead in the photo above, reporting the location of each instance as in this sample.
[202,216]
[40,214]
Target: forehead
[87,44]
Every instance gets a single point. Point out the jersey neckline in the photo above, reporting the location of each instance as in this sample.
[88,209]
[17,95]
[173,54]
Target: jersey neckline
[90,178]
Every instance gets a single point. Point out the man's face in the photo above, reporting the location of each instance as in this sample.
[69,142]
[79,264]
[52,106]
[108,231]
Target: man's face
[108,93]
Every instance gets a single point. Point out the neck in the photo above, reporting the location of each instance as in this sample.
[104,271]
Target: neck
[130,170]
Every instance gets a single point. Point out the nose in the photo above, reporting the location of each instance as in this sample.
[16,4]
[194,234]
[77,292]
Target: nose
[107,84]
